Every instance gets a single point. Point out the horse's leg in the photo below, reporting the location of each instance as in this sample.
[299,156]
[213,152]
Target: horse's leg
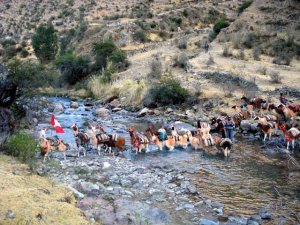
[147,147]
[98,149]
[287,145]
[270,135]
[265,136]
[65,158]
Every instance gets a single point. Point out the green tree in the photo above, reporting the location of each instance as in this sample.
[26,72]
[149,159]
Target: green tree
[45,43]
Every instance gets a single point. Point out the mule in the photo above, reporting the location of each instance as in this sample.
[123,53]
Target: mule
[267,129]
[257,103]
[138,141]
[180,140]
[169,142]
[81,138]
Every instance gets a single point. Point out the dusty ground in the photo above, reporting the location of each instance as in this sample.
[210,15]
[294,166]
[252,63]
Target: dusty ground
[34,199]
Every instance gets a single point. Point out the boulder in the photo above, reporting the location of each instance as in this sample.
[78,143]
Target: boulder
[156,112]
[143,112]
[116,109]
[56,107]
[102,112]
[169,110]
[74,105]
[87,187]
[115,104]
[76,193]
[254,127]
[245,125]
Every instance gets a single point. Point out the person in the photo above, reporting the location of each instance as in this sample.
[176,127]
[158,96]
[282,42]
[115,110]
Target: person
[162,134]
[283,99]
[221,127]
[229,126]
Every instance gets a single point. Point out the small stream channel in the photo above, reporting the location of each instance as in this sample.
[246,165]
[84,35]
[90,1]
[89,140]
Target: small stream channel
[245,182]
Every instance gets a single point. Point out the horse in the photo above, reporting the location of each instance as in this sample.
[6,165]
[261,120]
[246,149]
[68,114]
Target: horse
[99,139]
[138,141]
[194,141]
[169,142]
[265,119]
[290,135]
[267,129]
[180,140]
[277,110]
[81,138]
[114,140]
[224,143]
[257,103]
[249,113]
[47,145]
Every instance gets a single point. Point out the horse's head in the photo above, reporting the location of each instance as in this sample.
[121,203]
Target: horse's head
[271,106]
[283,127]
[43,133]
[131,131]
[74,127]
[256,118]
[213,121]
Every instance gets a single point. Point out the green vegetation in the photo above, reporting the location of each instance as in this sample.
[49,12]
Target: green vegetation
[284,51]
[73,68]
[244,6]
[168,91]
[22,146]
[219,25]
[45,43]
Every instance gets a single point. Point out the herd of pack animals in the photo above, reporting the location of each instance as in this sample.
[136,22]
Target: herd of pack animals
[254,109]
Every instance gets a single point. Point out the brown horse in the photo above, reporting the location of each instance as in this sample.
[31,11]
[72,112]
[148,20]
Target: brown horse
[249,113]
[99,138]
[194,141]
[257,103]
[114,140]
[138,141]
[47,145]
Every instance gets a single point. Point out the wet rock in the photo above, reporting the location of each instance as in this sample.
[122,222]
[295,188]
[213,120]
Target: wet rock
[35,121]
[217,205]
[74,105]
[87,187]
[156,112]
[76,193]
[56,107]
[256,218]
[245,125]
[252,222]
[10,214]
[265,214]
[114,104]
[106,165]
[116,109]
[88,102]
[143,112]
[223,218]
[207,222]
[254,127]
[169,110]
[191,189]
[101,112]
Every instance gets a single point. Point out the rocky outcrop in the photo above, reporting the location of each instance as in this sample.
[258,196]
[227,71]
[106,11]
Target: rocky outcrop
[7,97]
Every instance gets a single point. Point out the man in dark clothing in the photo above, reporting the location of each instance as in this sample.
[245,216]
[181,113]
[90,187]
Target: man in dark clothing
[229,126]
[283,99]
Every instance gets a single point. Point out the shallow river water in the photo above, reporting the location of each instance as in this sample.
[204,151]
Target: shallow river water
[245,182]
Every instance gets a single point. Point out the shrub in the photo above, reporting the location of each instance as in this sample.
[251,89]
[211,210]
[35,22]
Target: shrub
[168,91]
[140,35]
[22,146]
[242,54]
[244,6]
[182,43]
[284,51]
[249,40]
[219,25]
[182,60]
[73,68]
[262,70]
[212,36]
[24,53]
[176,20]
[256,52]
[275,77]
[226,52]
[156,69]
[44,43]
[26,75]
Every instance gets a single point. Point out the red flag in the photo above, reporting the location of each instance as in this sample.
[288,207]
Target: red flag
[55,123]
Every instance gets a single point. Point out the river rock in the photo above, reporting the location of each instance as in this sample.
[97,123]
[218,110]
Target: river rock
[191,189]
[87,187]
[264,214]
[106,165]
[76,193]
[56,107]
[116,109]
[207,222]
[156,112]
[254,127]
[169,110]
[217,205]
[115,103]
[245,125]
[74,105]
[143,112]
[102,112]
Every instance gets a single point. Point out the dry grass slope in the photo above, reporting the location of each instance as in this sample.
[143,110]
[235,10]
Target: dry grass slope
[34,199]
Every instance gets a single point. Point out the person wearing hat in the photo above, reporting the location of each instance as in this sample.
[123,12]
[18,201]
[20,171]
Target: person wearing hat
[229,126]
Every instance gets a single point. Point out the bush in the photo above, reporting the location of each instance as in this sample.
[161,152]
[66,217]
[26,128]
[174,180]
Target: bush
[26,75]
[256,52]
[249,40]
[45,43]
[182,60]
[262,70]
[244,6]
[219,25]
[118,56]
[156,69]
[226,52]
[140,35]
[24,53]
[275,77]
[22,146]
[182,43]
[168,91]
[212,36]
[242,54]
[176,20]
[73,68]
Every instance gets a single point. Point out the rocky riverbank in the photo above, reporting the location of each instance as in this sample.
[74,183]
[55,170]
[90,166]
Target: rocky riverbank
[179,187]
